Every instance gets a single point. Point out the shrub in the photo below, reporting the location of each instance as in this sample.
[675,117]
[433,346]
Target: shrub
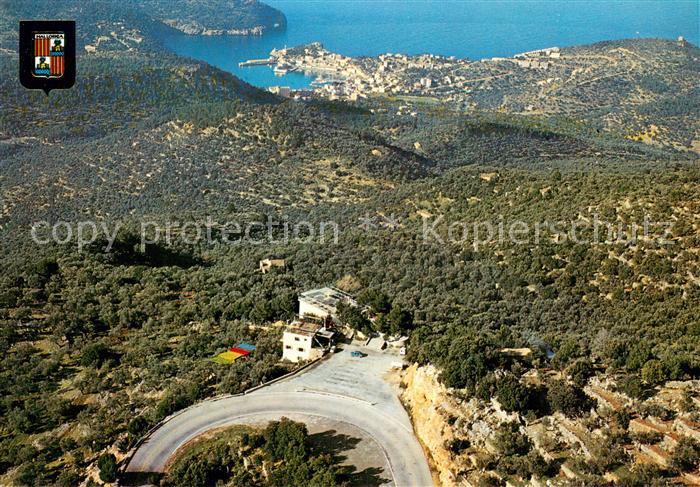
[580,371]
[633,387]
[377,300]
[107,464]
[285,440]
[515,396]
[353,317]
[644,475]
[568,399]
[488,480]
[465,373]
[647,437]
[137,426]
[94,355]
[68,478]
[567,353]
[686,456]
[510,441]
[653,372]
[458,445]
[638,356]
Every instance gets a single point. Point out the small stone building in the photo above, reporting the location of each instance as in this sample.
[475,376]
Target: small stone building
[266,265]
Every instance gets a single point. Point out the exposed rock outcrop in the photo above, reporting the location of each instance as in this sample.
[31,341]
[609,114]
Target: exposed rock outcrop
[426,399]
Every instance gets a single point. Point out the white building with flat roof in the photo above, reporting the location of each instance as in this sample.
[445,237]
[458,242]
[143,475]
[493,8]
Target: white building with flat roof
[323,302]
[302,341]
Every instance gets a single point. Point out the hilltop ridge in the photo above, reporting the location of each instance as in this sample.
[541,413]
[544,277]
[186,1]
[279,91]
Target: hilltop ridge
[133,24]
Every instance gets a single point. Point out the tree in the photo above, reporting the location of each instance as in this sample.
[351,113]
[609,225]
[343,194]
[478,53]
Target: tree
[31,473]
[638,356]
[68,478]
[615,352]
[285,440]
[510,441]
[107,464]
[42,272]
[644,475]
[567,352]
[488,480]
[633,387]
[179,397]
[607,453]
[316,471]
[580,371]
[653,372]
[678,366]
[686,456]
[353,317]
[399,320]
[568,399]
[375,299]
[465,373]
[512,395]
[95,354]
[137,426]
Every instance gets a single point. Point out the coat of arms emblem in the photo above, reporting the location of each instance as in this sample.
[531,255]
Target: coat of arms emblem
[47,54]
[49,60]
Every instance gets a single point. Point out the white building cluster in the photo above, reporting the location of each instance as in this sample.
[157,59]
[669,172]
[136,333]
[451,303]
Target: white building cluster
[438,77]
[313,333]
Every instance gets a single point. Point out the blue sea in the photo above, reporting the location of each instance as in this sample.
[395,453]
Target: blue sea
[473,29]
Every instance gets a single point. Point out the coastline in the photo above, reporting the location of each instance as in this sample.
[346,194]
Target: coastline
[261,19]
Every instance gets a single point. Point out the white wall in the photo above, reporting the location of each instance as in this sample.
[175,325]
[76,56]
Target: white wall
[295,347]
[306,308]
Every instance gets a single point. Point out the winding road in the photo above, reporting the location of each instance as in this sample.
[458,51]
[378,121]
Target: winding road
[341,389]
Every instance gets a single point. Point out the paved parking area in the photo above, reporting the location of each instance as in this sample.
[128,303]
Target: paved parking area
[351,395]
[364,379]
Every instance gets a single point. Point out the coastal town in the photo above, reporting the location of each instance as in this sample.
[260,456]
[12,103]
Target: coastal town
[340,77]
[551,81]
[461,82]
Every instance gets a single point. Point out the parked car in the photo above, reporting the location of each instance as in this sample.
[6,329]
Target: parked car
[357,354]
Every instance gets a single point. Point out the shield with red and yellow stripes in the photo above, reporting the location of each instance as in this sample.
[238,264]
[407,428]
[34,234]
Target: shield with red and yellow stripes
[49,54]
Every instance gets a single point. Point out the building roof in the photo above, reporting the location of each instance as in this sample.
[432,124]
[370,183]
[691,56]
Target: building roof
[303,328]
[326,298]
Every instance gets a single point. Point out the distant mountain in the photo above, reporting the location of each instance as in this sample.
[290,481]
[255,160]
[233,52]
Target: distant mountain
[196,17]
[146,132]
[216,17]
[163,135]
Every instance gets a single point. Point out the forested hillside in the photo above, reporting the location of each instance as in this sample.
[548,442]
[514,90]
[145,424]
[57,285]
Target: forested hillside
[125,333]
[98,346]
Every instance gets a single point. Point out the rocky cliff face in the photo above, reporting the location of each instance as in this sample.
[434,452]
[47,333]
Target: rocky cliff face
[428,404]
[455,432]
